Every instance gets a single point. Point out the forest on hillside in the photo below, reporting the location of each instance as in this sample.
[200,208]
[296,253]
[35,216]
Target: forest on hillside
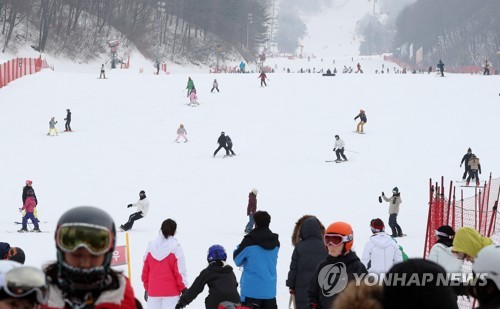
[191,29]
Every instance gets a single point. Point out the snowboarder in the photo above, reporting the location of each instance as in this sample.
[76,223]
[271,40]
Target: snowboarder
[394,202]
[339,149]
[465,160]
[229,145]
[103,72]
[52,126]
[486,68]
[222,144]
[67,127]
[362,118]
[262,77]
[474,168]
[181,132]
[440,67]
[190,86]
[251,209]
[215,85]
[220,279]
[193,98]
[381,251]
[142,210]
[29,206]
[359,68]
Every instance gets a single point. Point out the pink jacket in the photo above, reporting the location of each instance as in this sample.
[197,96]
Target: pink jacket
[29,204]
[164,271]
[193,96]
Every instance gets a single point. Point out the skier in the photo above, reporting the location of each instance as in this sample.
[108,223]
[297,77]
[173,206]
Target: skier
[474,168]
[220,279]
[262,77]
[52,126]
[193,98]
[362,118]
[157,65]
[465,160]
[164,273]
[429,70]
[142,210]
[229,145]
[359,68]
[222,144]
[67,127]
[381,251]
[103,73]
[440,67]
[251,209]
[339,149]
[242,67]
[338,239]
[181,132]
[486,68]
[215,85]
[394,202]
[82,276]
[190,86]
[441,251]
[29,206]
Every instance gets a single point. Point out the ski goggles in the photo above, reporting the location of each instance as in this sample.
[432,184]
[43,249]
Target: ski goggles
[23,281]
[336,239]
[96,239]
[438,233]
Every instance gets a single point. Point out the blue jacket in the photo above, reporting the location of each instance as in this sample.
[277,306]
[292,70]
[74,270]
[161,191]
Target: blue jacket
[258,255]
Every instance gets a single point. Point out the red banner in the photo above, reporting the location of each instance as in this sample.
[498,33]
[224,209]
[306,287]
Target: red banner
[119,256]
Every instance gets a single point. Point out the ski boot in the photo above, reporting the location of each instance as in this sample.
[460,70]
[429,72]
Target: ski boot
[23,231]
[467,184]
[36,230]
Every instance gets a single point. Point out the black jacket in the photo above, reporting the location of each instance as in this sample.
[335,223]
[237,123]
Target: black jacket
[68,116]
[229,142]
[259,236]
[222,140]
[465,159]
[352,266]
[308,253]
[222,286]
[28,191]
[362,116]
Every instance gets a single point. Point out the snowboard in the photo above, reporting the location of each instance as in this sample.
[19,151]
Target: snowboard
[193,104]
[404,235]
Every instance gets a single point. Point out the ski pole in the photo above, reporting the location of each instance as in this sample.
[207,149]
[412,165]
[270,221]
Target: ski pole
[352,151]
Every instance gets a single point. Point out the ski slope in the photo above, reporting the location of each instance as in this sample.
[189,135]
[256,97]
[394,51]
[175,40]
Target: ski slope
[419,126]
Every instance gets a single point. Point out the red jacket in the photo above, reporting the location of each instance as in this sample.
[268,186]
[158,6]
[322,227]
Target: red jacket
[164,272]
[252,203]
[29,204]
[123,297]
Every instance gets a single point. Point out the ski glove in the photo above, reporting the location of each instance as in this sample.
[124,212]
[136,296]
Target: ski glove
[129,205]
[334,149]
[383,194]
[146,295]
[292,291]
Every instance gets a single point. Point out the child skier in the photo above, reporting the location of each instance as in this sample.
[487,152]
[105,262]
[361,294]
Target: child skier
[52,126]
[263,78]
[190,86]
[362,118]
[229,146]
[103,72]
[181,132]
[474,167]
[251,209]
[29,206]
[220,279]
[193,99]
[215,85]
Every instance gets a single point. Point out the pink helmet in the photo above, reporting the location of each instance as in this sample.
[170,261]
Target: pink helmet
[29,182]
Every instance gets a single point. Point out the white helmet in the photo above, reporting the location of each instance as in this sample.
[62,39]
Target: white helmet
[487,262]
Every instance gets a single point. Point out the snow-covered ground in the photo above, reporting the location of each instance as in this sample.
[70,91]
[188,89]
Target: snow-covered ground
[419,126]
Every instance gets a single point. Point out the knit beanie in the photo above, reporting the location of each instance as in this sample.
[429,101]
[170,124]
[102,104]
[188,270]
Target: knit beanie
[377,225]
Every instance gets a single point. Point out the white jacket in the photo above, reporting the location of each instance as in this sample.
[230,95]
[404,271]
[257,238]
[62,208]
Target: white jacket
[380,253]
[339,143]
[443,256]
[143,206]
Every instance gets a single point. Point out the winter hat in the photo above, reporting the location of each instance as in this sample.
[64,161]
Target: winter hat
[222,133]
[377,225]
[255,191]
[412,294]
[15,254]
[216,252]
[361,111]
[469,241]
[445,235]
[469,150]
[28,182]
[395,190]
[336,136]
[262,219]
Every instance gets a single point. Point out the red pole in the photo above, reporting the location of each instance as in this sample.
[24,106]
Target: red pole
[475,210]
[453,210]
[449,204]
[426,244]
[462,207]
[1,73]
[9,76]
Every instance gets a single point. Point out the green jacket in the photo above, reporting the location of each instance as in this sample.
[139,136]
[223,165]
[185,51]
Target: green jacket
[467,240]
[190,84]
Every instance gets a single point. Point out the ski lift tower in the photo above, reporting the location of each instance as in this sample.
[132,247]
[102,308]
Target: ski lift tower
[113,45]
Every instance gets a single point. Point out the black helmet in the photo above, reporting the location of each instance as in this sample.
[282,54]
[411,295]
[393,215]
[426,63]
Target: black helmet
[93,229]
